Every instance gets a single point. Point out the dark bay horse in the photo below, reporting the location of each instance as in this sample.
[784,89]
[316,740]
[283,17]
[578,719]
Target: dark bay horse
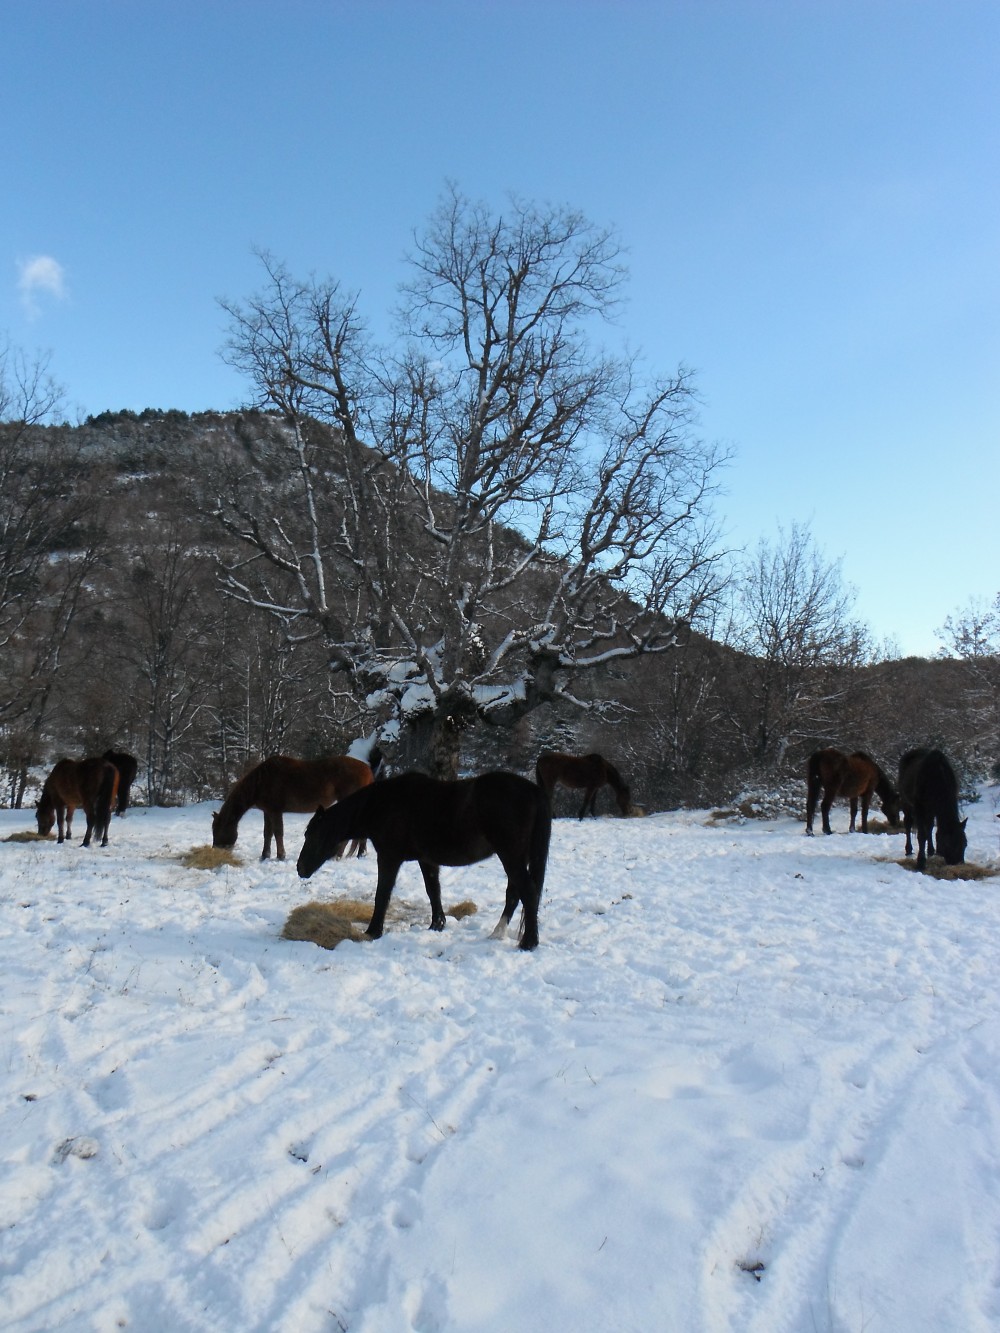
[92,783]
[587,773]
[416,818]
[282,785]
[127,766]
[929,792]
[854,776]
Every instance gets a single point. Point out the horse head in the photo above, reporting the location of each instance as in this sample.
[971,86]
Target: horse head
[224,831]
[891,808]
[952,842]
[317,844]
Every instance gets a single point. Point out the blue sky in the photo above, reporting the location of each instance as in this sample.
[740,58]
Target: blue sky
[809,191]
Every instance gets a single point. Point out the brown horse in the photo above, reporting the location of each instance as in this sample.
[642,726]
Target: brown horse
[92,783]
[856,777]
[415,818]
[589,773]
[127,766]
[282,785]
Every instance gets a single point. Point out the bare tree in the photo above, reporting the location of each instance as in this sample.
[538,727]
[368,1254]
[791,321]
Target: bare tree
[973,636]
[495,507]
[791,620]
[51,535]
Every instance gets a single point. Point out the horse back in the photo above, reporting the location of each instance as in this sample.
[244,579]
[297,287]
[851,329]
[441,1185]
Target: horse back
[417,818]
[298,786]
[927,780]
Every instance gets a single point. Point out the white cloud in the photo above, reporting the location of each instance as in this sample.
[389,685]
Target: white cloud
[40,276]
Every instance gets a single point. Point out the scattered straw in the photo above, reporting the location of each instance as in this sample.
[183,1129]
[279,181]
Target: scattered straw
[29,835]
[883,826]
[937,869]
[328,924]
[209,858]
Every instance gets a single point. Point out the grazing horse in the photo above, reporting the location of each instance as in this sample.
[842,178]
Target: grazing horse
[416,818]
[929,792]
[855,776]
[127,766]
[589,772]
[92,783]
[282,785]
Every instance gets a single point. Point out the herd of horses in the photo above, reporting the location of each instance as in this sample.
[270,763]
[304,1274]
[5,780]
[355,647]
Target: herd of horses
[411,817]
[926,794]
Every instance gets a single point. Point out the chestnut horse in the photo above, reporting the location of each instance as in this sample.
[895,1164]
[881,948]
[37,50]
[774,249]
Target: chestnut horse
[929,791]
[282,785]
[589,773]
[127,766]
[855,776]
[92,783]
[416,818]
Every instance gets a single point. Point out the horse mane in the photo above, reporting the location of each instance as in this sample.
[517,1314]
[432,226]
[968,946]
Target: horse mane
[242,795]
[615,779]
[884,788]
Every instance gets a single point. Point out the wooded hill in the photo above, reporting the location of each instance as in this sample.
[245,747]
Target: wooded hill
[121,624]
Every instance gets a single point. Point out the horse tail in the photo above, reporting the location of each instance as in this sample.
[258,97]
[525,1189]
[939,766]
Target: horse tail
[814,784]
[538,845]
[376,762]
[542,777]
[104,802]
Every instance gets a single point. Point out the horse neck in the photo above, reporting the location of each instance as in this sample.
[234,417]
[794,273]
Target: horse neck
[613,777]
[883,787]
[239,801]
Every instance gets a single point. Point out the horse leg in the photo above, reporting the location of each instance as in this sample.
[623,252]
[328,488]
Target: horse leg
[520,889]
[432,883]
[510,905]
[278,824]
[825,809]
[268,835]
[865,806]
[854,814]
[90,826]
[908,825]
[388,869]
[924,840]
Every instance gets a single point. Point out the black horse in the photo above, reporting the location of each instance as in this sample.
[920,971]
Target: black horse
[416,818]
[928,790]
[127,766]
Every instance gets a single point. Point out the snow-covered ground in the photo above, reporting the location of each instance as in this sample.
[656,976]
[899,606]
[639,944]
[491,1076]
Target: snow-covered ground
[748,1081]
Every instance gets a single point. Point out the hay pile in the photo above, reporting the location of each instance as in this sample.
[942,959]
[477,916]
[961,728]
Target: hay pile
[329,924]
[937,869]
[209,858]
[30,835]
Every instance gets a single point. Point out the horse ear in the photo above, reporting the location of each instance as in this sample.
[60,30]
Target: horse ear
[319,809]
[965,821]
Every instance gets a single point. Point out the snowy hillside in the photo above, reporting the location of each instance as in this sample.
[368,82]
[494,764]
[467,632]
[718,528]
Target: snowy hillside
[748,1081]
